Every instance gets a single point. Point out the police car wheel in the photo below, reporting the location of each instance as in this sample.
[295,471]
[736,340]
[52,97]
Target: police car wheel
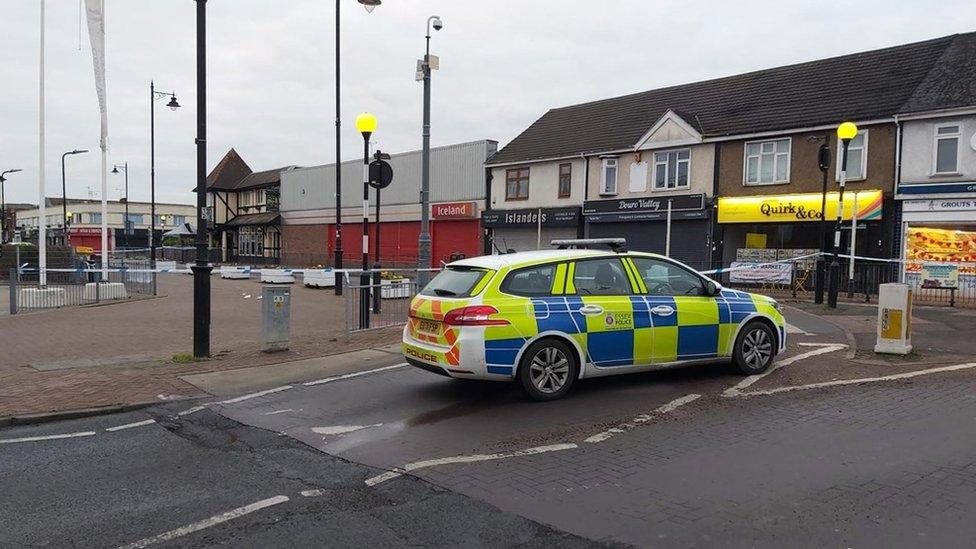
[548,370]
[754,348]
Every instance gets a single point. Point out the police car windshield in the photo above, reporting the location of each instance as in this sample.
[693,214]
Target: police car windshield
[454,282]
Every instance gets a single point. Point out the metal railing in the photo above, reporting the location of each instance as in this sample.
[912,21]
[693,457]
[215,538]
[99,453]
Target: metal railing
[372,303]
[73,288]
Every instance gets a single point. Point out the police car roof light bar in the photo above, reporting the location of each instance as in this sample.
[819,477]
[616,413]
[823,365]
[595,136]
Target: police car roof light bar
[616,244]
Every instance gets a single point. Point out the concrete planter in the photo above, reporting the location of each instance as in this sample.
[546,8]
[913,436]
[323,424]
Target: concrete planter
[169,265]
[40,298]
[319,278]
[235,272]
[104,291]
[395,289]
[277,276]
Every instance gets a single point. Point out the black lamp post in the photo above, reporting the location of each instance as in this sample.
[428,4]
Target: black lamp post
[125,220]
[366,124]
[3,206]
[846,132]
[173,105]
[423,248]
[370,5]
[64,192]
[202,268]
[823,160]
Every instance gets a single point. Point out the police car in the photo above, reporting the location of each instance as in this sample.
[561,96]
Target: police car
[547,318]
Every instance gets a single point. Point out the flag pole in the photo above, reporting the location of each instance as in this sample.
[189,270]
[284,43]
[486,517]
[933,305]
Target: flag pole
[42,200]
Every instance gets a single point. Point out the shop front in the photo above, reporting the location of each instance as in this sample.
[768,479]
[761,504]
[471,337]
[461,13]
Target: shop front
[648,222]
[530,228]
[773,227]
[940,244]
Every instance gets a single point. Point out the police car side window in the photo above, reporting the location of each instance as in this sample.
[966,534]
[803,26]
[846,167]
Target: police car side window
[530,281]
[665,278]
[601,277]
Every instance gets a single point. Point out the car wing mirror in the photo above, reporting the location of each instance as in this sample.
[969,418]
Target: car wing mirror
[712,288]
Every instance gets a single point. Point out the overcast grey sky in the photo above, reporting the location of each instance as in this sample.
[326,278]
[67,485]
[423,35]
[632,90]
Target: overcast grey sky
[271,67]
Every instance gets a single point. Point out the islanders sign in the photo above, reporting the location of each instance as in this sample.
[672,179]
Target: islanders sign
[792,208]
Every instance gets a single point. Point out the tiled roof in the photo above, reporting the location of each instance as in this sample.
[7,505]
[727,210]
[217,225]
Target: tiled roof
[263,218]
[860,86]
[228,172]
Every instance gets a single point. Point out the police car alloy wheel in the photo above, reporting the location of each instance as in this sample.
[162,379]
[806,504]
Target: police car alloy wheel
[754,348]
[548,370]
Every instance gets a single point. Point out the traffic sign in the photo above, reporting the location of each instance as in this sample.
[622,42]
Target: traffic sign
[380,174]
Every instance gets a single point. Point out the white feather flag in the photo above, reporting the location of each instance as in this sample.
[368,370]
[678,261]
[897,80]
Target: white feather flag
[95,10]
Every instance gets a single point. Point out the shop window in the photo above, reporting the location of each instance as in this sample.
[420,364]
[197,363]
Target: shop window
[250,241]
[672,169]
[609,181]
[857,157]
[565,180]
[517,184]
[946,156]
[767,162]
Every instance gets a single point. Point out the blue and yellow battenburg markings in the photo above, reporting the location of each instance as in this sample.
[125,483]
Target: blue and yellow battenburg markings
[627,332]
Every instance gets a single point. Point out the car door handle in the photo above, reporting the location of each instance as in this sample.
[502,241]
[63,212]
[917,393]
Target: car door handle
[591,309]
[663,310]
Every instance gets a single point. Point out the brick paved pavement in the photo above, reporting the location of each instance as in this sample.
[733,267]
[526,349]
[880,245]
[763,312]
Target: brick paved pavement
[140,337]
[889,464]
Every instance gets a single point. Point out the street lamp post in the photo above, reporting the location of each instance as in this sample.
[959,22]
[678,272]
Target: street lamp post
[64,192]
[366,125]
[201,270]
[125,220]
[823,160]
[173,105]
[3,206]
[846,132]
[423,259]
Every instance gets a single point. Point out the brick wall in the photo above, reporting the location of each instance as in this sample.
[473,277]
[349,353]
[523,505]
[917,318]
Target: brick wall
[305,245]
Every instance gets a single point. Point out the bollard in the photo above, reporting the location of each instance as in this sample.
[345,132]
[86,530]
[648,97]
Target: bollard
[275,318]
[13,291]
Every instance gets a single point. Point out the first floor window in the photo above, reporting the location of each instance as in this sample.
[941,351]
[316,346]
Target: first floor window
[857,157]
[767,162]
[94,218]
[565,180]
[946,148]
[609,183]
[672,169]
[517,184]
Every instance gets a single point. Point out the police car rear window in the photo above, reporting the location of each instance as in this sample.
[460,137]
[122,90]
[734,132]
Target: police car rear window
[454,282]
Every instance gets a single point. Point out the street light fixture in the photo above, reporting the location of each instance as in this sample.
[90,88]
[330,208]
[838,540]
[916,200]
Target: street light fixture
[125,220]
[3,206]
[845,132]
[64,192]
[173,105]
[370,5]
[423,252]
[366,125]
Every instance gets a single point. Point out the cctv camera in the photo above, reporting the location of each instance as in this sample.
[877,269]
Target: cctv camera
[438,24]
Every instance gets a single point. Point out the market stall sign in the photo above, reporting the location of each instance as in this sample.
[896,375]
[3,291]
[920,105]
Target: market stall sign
[789,208]
[743,272]
[454,210]
[530,217]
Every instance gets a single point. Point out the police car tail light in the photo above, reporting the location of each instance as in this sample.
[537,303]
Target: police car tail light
[474,315]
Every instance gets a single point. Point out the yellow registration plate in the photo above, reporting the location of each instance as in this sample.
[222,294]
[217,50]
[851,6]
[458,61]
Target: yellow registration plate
[430,327]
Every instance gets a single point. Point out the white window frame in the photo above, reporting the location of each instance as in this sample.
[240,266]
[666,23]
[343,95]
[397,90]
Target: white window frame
[607,163]
[864,157]
[667,174]
[935,145]
[746,156]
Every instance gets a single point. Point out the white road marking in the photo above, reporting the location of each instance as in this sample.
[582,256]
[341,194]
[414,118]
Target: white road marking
[206,523]
[47,437]
[342,429]
[312,493]
[835,383]
[131,425]
[373,481]
[352,375]
[193,410]
[643,418]
[249,396]
[276,412]
[822,348]
[791,329]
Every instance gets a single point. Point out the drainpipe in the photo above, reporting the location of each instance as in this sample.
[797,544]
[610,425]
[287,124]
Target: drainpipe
[716,232]
[586,192]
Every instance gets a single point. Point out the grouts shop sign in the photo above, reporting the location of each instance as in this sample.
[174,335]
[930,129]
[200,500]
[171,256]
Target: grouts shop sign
[454,210]
[530,217]
[787,208]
